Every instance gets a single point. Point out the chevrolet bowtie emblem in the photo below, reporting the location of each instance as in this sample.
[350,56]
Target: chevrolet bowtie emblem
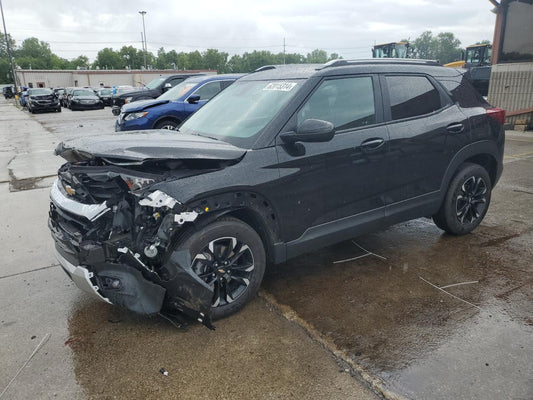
[70,190]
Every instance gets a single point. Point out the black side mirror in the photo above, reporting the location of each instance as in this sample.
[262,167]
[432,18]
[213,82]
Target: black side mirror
[311,130]
[193,99]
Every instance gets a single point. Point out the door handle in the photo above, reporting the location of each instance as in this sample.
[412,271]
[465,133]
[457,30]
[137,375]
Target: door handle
[456,128]
[372,144]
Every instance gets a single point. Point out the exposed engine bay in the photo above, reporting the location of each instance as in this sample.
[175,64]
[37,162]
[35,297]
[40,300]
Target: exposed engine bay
[116,237]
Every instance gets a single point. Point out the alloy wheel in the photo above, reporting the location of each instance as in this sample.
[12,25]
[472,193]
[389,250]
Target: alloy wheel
[471,200]
[226,264]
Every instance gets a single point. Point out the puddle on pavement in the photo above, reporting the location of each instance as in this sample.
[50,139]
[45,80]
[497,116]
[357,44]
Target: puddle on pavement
[395,325]
[254,354]
[19,185]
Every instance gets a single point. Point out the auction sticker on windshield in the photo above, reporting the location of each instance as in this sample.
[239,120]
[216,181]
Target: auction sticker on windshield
[280,86]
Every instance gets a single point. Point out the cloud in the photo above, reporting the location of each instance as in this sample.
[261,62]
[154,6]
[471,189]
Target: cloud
[346,27]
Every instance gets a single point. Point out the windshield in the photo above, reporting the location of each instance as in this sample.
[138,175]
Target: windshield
[401,51]
[40,92]
[105,92]
[241,111]
[125,90]
[177,91]
[82,93]
[155,83]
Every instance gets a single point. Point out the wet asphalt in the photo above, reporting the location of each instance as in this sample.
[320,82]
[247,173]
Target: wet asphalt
[409,311]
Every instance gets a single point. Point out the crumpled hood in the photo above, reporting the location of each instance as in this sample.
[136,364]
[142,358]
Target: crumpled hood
[148,145]
[141,105]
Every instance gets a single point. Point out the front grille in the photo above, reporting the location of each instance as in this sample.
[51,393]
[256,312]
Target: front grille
[72,229]
[102,191]
[90,191]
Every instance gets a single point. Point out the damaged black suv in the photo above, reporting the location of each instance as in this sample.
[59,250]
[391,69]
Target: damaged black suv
[286,160]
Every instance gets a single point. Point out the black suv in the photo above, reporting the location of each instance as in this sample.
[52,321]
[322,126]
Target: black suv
[42,99]
[286,160]
[151,91]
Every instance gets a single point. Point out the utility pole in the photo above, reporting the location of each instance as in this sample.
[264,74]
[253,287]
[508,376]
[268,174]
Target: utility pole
[8,49]
[144,51]
[283,50]
[143,13]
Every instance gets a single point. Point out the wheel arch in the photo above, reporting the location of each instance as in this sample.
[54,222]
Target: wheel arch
[249,207]
[166,117]
[485,153]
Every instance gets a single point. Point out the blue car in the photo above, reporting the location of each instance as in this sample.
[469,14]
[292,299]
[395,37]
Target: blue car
[170,109]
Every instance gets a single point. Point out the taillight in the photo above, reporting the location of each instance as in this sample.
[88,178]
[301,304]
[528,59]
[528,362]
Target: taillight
[497,114]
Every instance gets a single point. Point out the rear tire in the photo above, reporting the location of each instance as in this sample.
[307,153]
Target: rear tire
[230,257]
[167,124]
[466,202]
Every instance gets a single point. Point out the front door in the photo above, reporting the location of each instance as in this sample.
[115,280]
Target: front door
[324,183]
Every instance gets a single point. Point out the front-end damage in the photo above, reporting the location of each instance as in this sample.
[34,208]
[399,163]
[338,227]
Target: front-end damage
[116,238]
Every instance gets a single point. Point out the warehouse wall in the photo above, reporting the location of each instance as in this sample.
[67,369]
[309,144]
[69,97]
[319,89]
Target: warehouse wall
[60,78]
[511,88]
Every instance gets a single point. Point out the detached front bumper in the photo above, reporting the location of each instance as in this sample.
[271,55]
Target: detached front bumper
[109,271]
[81,277]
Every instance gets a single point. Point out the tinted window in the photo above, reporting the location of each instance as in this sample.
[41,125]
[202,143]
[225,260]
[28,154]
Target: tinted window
[463,92]
[208,90]
[411,96]
[347,103]
[175,81]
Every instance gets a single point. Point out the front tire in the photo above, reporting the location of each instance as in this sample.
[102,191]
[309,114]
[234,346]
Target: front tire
[466,202]
[229,256]
[167,124]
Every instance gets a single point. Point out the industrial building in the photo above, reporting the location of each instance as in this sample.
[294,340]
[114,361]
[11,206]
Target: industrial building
[511,81]
[93,77]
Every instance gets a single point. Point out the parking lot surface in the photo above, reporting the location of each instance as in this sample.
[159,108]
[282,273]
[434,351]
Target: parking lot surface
[409,311]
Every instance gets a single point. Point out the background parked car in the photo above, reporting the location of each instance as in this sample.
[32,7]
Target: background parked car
[23,97]
[42,99]
[106,95]
[64,97]
[154,89]
[7,92]
[170,109]
[84,99]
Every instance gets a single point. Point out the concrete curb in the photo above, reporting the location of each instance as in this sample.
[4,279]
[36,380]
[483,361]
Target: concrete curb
[289,314]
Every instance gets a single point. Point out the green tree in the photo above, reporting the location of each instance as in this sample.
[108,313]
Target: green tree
[317,56]
[213,59]
[132,57]
[194,60]
[444,47]
[3,46]
[34,54]
[5,66]
[107,58]
[424,46]
[447,47]
[80,61]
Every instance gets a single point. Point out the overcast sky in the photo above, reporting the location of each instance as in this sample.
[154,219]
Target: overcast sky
[346,27]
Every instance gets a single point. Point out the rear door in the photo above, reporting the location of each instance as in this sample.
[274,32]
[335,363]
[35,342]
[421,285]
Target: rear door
[425,130]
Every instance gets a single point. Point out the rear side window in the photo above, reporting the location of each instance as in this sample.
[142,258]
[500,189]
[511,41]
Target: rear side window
[347,103]
[463,92]
[411,96]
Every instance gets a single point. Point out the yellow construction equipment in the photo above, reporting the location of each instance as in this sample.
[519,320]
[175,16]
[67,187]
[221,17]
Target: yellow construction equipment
[476,55]
[392,50]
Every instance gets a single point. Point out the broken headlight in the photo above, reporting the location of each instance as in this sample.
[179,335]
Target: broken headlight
[136,182]
[135,115]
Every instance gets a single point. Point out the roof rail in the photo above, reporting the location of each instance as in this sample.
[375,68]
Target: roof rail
[265,68]
[408,61]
